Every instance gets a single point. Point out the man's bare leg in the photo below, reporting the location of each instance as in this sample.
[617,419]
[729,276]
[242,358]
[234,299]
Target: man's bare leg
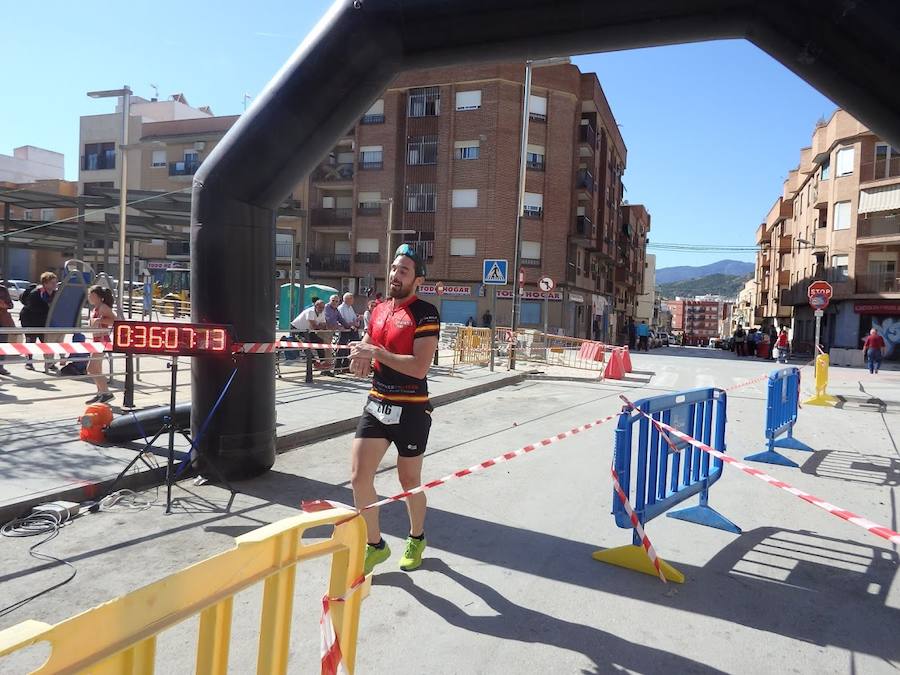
[409,470]
[366,456]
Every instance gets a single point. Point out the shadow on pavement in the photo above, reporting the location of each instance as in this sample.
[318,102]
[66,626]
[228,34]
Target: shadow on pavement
[610,653]
[851,466]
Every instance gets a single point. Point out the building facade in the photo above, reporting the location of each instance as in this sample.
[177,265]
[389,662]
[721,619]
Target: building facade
[838,219]
[696,320]
[438,154]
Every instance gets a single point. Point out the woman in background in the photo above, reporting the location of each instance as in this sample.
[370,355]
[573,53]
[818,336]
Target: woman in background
[102,316]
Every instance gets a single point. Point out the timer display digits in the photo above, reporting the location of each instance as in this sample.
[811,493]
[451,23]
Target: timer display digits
[171,339]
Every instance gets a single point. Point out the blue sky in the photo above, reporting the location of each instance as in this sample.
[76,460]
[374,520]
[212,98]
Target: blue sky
[712,129]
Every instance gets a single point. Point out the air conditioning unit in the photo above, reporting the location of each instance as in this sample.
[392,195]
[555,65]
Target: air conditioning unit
[281,274]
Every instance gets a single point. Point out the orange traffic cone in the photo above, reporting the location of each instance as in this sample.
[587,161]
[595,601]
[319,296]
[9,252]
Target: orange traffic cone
[96,418]
[626,359]
[614,369]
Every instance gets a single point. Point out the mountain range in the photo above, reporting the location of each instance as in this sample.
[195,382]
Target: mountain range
[735,268]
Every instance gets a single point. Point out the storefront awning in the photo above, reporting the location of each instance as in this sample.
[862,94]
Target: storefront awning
[879,199]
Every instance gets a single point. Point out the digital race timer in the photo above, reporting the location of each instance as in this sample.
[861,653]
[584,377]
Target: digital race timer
[171,339]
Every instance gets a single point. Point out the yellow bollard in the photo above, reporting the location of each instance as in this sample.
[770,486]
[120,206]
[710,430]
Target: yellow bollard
[822,397]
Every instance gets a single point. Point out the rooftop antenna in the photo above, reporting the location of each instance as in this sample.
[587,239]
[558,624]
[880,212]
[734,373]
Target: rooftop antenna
[247,97]
[155,91]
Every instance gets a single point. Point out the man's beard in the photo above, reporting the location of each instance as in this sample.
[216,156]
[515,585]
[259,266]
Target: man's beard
[401,291]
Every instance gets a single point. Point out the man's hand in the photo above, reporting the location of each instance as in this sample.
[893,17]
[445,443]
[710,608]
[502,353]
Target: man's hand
[361,355]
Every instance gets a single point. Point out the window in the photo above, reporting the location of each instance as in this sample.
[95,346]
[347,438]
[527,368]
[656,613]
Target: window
[844,161]
[887,161]
[425,102]
[158,159]
[531,253]
[468,100]
[839,268]
[841,216]
[465,199]
[534,205]
[283,244]
[371,157]
[375,114]
[369,202]
[48,214]
[327,202]
[27,215]
[98,156]
[421,198]
[535,157]
[825,173]
[421,150]
[467,150]
[462,247]
[367,245]
[537,108]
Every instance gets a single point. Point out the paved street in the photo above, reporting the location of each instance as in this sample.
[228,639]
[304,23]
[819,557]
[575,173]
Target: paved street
[509,584]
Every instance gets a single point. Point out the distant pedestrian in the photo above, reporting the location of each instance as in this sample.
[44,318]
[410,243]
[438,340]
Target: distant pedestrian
[643,334]
[595,328]
[782,346]
[739,341]
[773,339]
[486,319]
[367,315]
[470,322]
[102,316]
[350,330]
[307,323]
[6,321]
[751,342]
[35,314]
[873,349]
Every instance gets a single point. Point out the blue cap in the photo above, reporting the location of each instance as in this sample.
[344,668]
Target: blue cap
[411,253]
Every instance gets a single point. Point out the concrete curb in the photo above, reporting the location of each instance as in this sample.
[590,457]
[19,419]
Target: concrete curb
[89,490]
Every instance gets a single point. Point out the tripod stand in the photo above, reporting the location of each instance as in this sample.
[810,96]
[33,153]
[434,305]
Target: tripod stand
[171,428]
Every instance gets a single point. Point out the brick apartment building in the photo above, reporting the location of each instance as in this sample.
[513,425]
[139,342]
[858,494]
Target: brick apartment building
[838,219]
[696,320]
[442,146]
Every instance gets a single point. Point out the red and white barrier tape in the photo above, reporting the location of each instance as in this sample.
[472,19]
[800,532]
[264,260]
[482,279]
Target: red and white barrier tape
[52,348]
[462,473]
[636,524]
[849,516]
[329,645]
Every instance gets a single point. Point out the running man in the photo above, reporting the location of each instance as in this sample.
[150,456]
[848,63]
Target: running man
[401,342]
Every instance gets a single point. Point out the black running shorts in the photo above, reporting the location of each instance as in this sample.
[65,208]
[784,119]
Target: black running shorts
[406,426]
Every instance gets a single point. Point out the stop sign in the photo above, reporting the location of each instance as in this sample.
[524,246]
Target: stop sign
[819,293]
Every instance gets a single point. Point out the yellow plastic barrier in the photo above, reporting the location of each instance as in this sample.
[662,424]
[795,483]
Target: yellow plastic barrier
[119,637]
[822,397]
[473,347]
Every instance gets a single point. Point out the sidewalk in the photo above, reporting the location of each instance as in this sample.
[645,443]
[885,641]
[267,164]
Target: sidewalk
[42,458]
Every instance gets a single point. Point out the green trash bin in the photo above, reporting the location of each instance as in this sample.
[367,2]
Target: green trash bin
[286,313]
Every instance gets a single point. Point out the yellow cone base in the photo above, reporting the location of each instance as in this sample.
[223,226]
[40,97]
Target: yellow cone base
[635,558]
[823,400]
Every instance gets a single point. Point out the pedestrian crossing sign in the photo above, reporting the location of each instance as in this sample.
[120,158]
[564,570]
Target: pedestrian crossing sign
[495,272]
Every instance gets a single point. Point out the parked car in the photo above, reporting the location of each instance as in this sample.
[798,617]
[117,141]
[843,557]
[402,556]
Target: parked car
[665,340]
[17,286]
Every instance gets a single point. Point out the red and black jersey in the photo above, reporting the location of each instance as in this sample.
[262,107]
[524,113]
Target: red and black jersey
[396,327]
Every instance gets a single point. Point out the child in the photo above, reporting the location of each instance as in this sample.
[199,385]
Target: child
[102,316]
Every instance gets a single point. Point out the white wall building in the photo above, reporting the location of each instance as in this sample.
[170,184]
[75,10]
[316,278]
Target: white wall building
[29,163]
[646,301]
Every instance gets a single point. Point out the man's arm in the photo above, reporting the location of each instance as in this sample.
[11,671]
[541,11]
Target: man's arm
[415,365]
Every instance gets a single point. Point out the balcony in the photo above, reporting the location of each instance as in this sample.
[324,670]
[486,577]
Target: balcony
[372,119]
[337,262]
[877,284]
[183,168]
[759,313]
[530,262]
[587,135]
[537,117]
[535,164]
[878,230]
[333,173]
[368,258]
[533,212]
[330,217]
[785,244]
[584,180]
[99,161]
[584,227]
[784,278]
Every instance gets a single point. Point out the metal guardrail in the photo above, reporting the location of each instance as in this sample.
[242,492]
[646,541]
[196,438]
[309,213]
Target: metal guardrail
[120,636]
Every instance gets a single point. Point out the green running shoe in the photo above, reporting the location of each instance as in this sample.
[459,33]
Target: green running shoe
[375,556]
[412,556]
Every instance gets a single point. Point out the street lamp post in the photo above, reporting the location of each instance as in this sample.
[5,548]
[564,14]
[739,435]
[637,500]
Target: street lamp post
[387,253]
[520,202]
[125,94]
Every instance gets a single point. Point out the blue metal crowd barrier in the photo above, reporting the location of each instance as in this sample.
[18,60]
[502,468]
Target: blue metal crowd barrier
[658,473]
[782,406]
